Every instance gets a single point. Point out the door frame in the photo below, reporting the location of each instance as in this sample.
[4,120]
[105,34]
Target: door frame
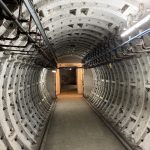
[79,75]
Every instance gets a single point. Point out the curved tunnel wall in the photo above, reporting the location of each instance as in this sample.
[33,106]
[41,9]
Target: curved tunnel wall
[25,102]
[121,93]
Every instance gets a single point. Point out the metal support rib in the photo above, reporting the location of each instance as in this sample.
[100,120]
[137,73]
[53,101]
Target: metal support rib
[30,7]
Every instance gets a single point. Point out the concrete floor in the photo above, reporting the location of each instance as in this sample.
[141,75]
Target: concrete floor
[76,127]
[69,89]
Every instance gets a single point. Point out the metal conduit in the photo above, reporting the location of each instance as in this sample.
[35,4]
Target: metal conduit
[116,48]
[30,7]
[3,6]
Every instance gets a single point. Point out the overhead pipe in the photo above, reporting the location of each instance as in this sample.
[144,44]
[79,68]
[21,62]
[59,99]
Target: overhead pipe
[17,46]
[20,54]
[17,36]
[13,50]
[12,5]
[11,39]
[121,45]
[116,60]
[3,6]
[18,32]
[133,38]
[20,20]
[31,10]
[8,50]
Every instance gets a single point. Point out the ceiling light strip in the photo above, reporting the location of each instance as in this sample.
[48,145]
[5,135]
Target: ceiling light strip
[136,26]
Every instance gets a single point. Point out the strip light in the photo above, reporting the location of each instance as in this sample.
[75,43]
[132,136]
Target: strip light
[137,25]
[54,71]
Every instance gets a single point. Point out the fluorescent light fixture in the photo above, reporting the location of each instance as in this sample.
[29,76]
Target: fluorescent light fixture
[148,10]
[137,25]
[54,71]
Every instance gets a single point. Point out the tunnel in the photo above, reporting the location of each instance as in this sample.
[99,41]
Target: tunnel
[106,44]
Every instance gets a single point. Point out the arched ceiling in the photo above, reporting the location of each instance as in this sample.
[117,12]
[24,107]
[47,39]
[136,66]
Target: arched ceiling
[83,24]
[78,26]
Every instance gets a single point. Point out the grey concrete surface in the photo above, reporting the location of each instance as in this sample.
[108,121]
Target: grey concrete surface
[76,127]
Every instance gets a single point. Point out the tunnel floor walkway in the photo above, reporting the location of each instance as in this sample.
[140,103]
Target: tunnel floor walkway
[76,127]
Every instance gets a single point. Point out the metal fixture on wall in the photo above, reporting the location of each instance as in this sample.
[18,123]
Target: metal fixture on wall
[122,51]
[46,53]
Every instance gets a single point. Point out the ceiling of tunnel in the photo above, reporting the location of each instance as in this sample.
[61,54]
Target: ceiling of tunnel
[77,26]
[70,59]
